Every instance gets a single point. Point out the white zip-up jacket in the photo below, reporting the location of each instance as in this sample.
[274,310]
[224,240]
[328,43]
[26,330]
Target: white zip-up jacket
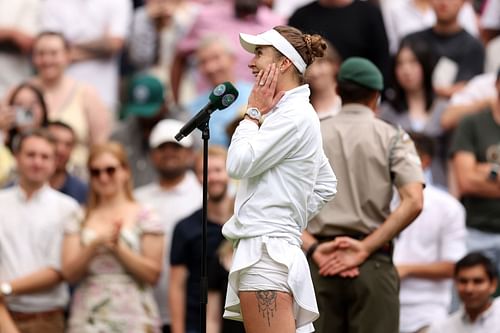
[285,176]
[285,180]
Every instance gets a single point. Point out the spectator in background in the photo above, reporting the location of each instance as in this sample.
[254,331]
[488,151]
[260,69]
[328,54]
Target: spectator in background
[460,55]
[114,252]
[24,111]
[216,60]
[490,20]
[96,31]
[478,94]
[19,22]
[146,104]
[349,243]
[32,217]
[355,28]
[475,153]
[186,252]
[404,17]
[321,77]
[68,100]
[476,279]
[157,27]
[174,196]
[413,105]
[426,251]
[62,180]
[285,8]
[225,19]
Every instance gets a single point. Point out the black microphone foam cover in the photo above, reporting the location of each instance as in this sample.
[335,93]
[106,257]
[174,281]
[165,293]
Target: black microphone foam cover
[223,95]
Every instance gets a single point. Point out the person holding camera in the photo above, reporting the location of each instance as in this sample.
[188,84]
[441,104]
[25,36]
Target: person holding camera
[24,111]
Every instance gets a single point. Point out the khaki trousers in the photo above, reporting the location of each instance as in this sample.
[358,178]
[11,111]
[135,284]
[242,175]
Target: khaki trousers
[368,303]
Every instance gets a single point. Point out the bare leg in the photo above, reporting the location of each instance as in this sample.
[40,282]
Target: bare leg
[267,311]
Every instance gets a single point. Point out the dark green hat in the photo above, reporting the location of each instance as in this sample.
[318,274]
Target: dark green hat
[361,71]
[145,96]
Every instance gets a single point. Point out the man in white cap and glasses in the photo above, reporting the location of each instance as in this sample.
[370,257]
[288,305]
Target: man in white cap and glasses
[175,195]
[276,153]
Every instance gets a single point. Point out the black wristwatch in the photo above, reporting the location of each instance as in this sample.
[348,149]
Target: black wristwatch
[311,249]
[493,175]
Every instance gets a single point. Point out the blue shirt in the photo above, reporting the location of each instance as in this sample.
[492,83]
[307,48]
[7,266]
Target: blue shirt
[75,188]
[220,119]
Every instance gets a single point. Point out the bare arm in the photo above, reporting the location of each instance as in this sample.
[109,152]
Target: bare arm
[145,266]
[489,34]
[101,48]
[472,177]
[6,323]
[409,208]
[454,113]
[40,280]
[214,314]
[177,71]
[76,258]
[447,92]
[99,117]
[435,270]
[177,297]
[23,40]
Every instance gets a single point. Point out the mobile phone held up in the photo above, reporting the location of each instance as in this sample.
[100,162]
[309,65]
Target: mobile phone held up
[24,117]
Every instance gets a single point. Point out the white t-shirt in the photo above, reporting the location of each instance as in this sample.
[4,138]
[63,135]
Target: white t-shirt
[490,19]
[20,15]
[481,87]
[31,233]
[459,322]
[171,206]
[83,21]
[402,18]
[437,234]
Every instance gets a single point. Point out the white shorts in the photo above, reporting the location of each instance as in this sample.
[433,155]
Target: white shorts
[266,274]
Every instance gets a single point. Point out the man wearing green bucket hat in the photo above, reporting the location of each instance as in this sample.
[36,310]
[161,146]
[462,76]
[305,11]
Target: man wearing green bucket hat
[146,104]
[349,242]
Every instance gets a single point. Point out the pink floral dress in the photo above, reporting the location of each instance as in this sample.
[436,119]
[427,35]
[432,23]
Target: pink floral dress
[109,299]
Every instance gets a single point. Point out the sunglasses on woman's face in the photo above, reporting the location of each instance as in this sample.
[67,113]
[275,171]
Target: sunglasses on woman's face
[96,172]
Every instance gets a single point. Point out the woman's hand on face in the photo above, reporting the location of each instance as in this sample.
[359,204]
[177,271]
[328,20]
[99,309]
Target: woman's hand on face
[7,117]
[264,96]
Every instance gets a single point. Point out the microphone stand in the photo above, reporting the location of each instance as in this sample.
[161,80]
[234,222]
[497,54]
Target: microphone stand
[205,130]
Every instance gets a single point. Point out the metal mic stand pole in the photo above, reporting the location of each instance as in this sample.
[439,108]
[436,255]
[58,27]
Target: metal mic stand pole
[204,276]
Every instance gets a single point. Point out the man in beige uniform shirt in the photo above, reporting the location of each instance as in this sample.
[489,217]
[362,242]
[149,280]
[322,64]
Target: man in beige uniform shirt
[349,243]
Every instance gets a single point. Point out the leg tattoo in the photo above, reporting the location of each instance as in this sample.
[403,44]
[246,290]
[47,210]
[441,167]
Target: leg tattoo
[266,301]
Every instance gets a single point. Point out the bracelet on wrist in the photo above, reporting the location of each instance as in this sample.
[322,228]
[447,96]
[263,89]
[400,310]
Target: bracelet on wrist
[310,251]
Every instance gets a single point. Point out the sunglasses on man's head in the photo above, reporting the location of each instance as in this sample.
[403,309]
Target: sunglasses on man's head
[96,172]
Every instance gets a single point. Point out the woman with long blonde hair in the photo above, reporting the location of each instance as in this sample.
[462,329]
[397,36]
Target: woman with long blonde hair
[114,252]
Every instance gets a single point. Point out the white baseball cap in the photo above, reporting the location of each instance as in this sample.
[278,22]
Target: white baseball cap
[273,38]
[165,131]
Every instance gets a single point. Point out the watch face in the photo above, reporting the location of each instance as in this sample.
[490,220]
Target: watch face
[6,289]
[254,113]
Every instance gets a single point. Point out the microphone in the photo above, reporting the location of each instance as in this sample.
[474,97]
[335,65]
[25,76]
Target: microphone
[221,97]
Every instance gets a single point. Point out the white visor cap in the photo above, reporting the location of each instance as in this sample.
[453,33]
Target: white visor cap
[280,43]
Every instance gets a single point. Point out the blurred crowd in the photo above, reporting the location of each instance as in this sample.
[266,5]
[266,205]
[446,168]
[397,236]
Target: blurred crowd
[109,83]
